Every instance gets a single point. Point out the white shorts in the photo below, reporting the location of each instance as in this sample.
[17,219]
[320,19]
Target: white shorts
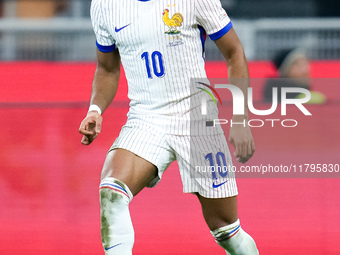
[202,160]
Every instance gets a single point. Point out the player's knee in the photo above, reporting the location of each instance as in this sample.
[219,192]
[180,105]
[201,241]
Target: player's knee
[107,167]
[235,240]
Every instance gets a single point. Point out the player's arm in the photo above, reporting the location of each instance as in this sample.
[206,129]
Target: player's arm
[240,137]
[104,88]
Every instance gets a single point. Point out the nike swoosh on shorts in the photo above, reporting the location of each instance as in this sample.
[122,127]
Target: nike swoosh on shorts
[218,185]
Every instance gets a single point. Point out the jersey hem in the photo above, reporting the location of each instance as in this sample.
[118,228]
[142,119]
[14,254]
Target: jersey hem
[105,49]
[206,194]
[222,32]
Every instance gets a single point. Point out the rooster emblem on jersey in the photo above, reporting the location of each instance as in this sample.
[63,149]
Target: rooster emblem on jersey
[173,23]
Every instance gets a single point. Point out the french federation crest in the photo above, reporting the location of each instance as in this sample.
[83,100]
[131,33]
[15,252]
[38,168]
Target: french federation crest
[173,24]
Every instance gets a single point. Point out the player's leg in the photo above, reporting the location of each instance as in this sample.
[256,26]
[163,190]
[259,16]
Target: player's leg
[222,219]
[124,175]
[134,171]
[216,190]
[218,212]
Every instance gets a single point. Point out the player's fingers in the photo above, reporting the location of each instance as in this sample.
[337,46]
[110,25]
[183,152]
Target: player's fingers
[250,149]
[83,127]
[247,155]
[231,140]
[245,150]
[253,146]
[244,153]
[85,132]
[99,125]
[238,152]
[87,127]
[85,140]
[241,153]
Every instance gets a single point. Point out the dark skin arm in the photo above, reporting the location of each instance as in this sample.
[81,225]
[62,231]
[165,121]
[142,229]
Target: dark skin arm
[104,88]
[240,137]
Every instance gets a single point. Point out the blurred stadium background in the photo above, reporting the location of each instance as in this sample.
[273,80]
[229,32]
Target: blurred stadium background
[61,30]
[49,182]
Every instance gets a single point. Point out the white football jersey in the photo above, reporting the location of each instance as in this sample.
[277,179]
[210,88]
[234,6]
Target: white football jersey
[161,44]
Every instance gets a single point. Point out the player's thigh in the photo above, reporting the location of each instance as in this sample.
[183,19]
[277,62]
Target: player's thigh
[129,168]
[219,212]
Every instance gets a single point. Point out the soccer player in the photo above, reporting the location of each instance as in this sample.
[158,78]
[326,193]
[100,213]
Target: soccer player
[161,46]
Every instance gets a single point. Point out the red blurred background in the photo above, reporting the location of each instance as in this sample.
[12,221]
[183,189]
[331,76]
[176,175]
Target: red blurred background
[49,181]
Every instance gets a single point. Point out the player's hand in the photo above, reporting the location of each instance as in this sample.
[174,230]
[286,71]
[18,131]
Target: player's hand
[242,139]
[90,127]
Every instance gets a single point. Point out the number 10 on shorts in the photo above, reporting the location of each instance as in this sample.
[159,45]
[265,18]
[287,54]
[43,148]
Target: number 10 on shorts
[222,167]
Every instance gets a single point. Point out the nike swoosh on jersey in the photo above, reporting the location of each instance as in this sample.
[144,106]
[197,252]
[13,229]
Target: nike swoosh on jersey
[118,29]
[218,185]
[106,249]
